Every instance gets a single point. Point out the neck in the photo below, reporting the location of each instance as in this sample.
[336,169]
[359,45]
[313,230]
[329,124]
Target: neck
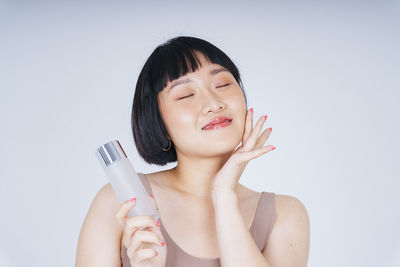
[195,178]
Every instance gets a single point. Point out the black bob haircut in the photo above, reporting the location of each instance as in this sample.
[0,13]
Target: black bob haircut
[169,61]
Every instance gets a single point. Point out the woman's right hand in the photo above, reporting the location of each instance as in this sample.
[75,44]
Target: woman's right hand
[144,247]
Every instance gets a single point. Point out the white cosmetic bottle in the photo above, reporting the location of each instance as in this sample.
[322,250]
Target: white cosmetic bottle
[124,179]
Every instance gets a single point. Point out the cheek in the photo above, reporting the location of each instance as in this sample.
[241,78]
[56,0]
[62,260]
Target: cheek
[174,117]
[238,102]
[179,123]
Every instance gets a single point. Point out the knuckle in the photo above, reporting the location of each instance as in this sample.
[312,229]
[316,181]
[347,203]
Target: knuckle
[140,234]
[134,221]
[130,222]
[237,160]
[133,258]
[152,222]
[141,253]
[134,261]
[118,216]
[139,222]
[157,239]
[146,236]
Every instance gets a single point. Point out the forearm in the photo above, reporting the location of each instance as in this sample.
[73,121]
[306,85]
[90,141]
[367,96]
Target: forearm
[237,247]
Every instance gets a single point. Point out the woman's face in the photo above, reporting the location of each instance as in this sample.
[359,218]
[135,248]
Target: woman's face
[201,96]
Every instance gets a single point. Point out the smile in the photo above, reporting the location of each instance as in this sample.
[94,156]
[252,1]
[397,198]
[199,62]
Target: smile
[217,126]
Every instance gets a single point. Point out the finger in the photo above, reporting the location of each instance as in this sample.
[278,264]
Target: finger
[248,125]
[143,254]
[142,236]
[249,155]
[122,213]
[249,145]
[135,224]
[263,138]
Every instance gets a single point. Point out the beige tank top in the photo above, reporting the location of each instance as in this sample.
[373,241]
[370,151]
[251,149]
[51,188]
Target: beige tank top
[176,257]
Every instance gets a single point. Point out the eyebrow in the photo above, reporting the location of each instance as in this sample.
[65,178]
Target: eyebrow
[188,80]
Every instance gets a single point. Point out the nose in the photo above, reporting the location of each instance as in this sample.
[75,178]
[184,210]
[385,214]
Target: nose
[212,103]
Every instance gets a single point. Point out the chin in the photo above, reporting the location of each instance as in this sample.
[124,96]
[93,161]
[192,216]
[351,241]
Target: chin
[225,146]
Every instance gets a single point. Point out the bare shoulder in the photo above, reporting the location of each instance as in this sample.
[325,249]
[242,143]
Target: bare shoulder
[100,231]
[289,240]
[291,211]
[287,205]
[107,193]
[105,201]
[104,205]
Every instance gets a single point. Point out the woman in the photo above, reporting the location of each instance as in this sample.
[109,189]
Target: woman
[190,107]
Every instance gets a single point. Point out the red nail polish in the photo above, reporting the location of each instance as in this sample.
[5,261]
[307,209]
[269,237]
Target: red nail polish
[273,148]
[270,129]
[157,223]
[132,199]
[265,117]
[251,110]
[162,243]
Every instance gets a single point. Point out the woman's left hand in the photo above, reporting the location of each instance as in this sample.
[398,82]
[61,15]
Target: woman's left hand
[252,147]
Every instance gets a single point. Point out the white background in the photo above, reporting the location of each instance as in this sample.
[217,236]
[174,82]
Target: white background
[324,73]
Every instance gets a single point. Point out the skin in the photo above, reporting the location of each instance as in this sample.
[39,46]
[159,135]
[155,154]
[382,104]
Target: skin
[189,204]
[202,166]
[196,169]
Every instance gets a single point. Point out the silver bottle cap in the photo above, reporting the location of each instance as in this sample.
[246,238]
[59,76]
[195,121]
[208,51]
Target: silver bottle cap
[110,153]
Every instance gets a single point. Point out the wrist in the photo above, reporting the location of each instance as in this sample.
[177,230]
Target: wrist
[223,195]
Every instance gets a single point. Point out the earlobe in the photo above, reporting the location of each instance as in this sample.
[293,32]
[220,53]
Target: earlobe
[169,145]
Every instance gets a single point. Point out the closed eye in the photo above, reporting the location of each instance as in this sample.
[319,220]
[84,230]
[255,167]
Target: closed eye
[185,96]
[224,85]
[193,94]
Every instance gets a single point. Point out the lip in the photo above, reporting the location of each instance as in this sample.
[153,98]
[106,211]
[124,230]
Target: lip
[219,121]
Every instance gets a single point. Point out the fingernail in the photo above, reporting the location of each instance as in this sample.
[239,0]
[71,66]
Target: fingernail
[251,110]
[132,199]
[270,129]
[157,223]
[273,148]
[265,117]
[151,195]
[162,243]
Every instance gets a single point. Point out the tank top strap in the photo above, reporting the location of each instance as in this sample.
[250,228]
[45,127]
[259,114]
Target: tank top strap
[264,219]
[125,261]
[145,182]
[147,185]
